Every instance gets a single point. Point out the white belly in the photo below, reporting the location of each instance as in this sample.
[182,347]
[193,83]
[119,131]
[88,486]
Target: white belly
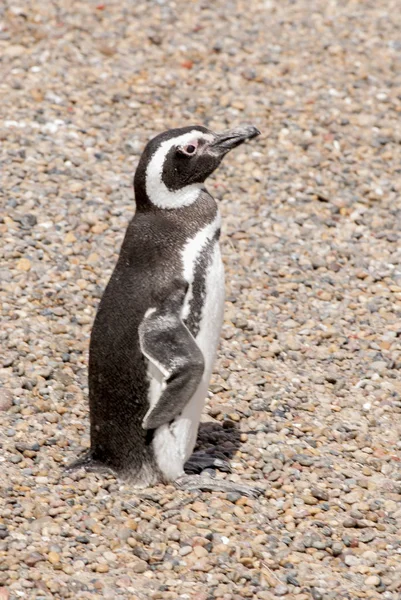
[173,444]
[186,426]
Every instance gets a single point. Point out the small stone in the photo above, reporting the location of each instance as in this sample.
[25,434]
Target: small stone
[138,566]
[351,560]
[14,50]
[280,590]
[349,522]
[93,258]
[6,399]
[101,568]
[110,556]
[82,539]
[378,366]
[356,514]
[274,348]
[15,459]
[395,585]
[24,264]
[373,580]
[337,548]
[28,221]
[124,581]
[320,494]
[319,544]
[202,564]
[33,558]
[303,460]
[200,551]
[370,557]
[233,496]
[310,500]
[70,238]
[53,557]
[38,524]
[367,536]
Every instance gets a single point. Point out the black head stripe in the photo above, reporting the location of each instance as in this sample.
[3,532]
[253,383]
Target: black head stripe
[153,145]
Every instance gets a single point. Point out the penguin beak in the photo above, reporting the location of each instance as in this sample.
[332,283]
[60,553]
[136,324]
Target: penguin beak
[226,141]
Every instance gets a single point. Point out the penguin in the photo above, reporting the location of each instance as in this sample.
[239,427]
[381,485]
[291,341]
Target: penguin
[157,327]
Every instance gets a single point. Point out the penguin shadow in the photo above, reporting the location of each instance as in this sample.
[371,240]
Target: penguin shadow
[216,445]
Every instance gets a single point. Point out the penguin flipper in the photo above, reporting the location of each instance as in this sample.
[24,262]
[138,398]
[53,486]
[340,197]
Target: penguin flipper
[168,344]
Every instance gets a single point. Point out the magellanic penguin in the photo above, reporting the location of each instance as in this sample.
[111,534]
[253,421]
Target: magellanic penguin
[157,328]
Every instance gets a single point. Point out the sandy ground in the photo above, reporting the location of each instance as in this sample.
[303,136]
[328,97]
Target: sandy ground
[306,393]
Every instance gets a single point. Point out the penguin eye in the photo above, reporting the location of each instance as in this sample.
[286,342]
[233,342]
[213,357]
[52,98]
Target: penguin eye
[188,150]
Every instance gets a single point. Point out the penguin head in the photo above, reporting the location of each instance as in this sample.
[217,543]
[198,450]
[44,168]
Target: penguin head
[176,163]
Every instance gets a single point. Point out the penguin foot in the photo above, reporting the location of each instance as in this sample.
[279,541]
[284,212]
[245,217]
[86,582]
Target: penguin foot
[80,463]
[200,461]
[90,465]
[206,483]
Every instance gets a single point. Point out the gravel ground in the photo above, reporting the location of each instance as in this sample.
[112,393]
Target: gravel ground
[306,395]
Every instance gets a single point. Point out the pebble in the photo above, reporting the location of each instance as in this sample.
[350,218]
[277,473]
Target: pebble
[33,558]
[373,580]
[138,566]
[350,560]
[337,548]
[24,264]
[281,590]
[350,522]
[320,494]
[6,399]
[53,557]
[370,558]
[102,568]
